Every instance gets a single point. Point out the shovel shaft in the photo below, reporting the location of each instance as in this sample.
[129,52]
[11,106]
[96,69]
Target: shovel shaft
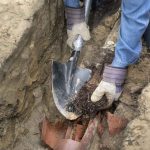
[87,9]
[73,63]
[78,44]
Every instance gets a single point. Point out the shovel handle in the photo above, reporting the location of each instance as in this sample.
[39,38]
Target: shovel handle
[79,42]
[87,9]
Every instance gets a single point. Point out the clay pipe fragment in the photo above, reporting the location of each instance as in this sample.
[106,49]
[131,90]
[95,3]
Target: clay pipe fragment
[80,129]
[85,143]
[52,133]
[89,133]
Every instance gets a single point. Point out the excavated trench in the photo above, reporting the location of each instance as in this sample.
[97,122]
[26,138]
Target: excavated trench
[25,90]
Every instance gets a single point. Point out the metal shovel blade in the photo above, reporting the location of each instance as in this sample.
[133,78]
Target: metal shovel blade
[65,88]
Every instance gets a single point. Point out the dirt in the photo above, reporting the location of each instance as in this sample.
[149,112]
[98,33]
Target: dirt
[94,58]
[102,9]
[127,106]
[22,131]
[25,78]
[82,103]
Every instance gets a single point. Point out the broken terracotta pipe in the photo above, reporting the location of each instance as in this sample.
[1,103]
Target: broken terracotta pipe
[80,129]
[86,141]
[69,132]
[89,134]
[116,123]
[52,134]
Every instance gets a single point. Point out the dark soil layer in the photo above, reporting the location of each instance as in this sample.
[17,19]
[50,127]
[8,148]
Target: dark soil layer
[101,8]
[82,103]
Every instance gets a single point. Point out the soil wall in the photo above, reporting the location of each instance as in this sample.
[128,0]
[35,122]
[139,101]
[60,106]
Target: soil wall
[31,35]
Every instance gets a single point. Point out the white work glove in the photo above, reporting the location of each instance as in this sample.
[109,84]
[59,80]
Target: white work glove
[76,25]
[110,86]
[78,29]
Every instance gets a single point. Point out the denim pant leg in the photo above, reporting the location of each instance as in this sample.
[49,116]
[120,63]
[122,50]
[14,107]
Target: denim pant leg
[147,36]
[72,3]
[134,21]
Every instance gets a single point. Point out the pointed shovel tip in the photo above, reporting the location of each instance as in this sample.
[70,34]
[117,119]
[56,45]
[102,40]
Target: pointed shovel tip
[69,115]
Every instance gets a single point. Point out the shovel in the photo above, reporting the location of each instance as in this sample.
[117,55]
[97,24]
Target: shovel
[67,78]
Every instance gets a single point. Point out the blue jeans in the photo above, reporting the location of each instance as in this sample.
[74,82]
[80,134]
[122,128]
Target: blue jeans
[134,21]
[72,3]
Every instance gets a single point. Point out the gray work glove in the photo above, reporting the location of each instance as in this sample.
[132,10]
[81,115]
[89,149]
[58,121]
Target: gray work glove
[76,25]
[111,85]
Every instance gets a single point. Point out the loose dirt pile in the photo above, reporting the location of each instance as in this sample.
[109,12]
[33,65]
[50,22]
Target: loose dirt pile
[82,103]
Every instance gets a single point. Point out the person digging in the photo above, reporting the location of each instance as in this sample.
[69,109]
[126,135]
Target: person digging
[135,17]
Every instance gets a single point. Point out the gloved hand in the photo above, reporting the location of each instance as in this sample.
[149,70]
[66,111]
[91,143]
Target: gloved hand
[76,25]
[111,85]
